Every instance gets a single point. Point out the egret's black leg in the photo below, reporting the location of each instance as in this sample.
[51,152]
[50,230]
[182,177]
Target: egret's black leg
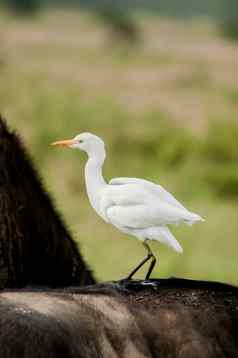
[153,262]
[152,265]
[148,257]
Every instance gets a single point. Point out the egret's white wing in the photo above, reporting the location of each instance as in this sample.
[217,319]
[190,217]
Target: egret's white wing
[133,205]
[145,216]
[154,189]
[125,195]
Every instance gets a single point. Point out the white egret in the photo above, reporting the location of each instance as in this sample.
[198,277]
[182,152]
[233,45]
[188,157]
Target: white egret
[135,206]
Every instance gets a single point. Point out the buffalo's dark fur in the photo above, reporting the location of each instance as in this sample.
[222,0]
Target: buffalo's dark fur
[158,318]
[35,247]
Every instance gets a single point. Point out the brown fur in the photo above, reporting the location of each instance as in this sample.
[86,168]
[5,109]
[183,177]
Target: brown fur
[35,246]
[167,318]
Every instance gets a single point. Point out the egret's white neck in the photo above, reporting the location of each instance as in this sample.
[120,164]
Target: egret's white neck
[94,179]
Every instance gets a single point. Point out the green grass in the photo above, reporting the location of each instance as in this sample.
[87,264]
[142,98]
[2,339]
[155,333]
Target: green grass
[167,111]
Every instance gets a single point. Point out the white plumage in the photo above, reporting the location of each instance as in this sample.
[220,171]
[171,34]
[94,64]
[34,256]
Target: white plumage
[135,206]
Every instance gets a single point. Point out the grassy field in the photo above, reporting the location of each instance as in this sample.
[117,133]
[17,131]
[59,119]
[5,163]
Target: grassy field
[167,110]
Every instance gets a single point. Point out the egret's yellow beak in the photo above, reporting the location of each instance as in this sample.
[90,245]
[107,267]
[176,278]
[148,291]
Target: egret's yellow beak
[64,143]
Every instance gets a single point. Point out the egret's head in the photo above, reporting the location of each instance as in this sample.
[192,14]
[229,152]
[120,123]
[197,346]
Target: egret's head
[87,142]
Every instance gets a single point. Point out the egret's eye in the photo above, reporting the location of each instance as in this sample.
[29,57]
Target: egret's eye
[80,141]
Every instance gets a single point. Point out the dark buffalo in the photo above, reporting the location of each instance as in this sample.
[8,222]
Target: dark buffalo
[157,318]
[35,246]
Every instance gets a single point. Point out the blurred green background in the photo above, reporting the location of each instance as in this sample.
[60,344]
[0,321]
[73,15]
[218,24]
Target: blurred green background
[160,86]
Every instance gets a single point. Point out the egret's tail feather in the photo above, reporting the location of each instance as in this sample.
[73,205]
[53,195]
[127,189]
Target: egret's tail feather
[193,218]
[166,237]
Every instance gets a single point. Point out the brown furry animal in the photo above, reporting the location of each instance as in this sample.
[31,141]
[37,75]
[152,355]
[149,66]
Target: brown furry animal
[35,246]
[128,319]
